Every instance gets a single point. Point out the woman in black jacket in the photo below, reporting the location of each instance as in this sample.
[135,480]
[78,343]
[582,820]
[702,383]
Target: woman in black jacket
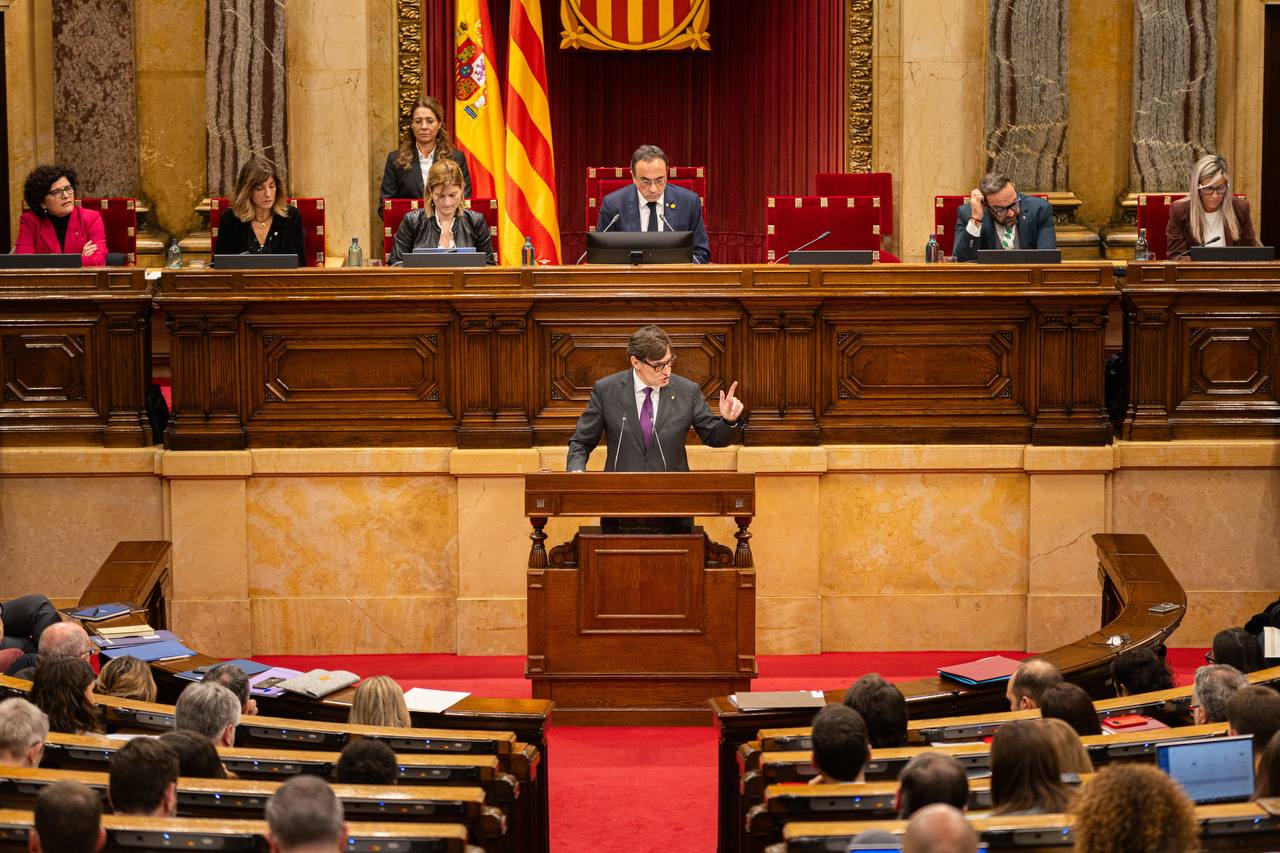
[261,221]
[424,143]
[442,222]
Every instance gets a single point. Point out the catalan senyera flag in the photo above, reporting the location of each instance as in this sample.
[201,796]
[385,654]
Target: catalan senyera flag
[477,113]
[529,203]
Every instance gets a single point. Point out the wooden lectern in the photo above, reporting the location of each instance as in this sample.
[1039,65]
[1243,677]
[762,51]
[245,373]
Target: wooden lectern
[640,628]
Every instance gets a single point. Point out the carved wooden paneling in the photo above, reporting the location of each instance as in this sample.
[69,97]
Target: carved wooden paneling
[44,368]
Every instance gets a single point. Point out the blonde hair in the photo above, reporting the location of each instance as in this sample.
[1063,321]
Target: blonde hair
[1207,169]
[253,173]
[126,678]
[379,701]
[1072,756]
[443,173]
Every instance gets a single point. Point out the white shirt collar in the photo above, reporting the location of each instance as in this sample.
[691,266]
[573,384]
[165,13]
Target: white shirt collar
[644,208]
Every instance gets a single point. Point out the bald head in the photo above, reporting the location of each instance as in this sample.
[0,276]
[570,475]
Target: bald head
[64,640]
[939,828]
[1029,682]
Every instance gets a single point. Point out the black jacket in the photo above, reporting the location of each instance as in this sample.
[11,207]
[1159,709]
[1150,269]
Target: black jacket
[285,237]
[407,183]
[420,230]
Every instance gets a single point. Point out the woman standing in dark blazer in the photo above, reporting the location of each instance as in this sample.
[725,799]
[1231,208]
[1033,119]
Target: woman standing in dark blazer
[442,222]
[260,221]
[424,142]
[1209,212]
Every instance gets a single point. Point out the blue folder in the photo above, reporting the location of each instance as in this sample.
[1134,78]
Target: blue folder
[151,652]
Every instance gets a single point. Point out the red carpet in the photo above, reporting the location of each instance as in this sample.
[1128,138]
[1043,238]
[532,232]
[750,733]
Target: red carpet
[612,787]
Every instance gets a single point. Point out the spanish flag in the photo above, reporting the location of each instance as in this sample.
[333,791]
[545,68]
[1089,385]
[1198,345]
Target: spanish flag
[477,113]
[529,202]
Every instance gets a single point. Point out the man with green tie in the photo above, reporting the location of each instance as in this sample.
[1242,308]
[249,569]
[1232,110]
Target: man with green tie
[999,217]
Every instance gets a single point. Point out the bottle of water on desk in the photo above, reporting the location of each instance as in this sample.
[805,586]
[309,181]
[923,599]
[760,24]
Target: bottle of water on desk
[355,256]
[528,255]
[173,255]
[1140,250]
[932,252]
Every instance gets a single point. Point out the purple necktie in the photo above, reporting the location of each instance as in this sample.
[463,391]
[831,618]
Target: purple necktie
[646,417]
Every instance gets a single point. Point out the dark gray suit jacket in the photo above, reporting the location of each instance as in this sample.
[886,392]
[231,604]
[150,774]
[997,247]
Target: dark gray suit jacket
[1034,228]
[612,411]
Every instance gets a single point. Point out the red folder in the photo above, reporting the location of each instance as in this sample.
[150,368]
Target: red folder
[983,671]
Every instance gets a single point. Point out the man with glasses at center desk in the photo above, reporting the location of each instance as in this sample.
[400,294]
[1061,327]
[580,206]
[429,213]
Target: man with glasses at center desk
[999,217]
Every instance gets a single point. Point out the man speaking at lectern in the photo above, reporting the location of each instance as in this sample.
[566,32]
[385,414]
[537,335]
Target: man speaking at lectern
[645,413]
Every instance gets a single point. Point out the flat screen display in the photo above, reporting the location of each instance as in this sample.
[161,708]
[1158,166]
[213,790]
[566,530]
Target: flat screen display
[1211,770]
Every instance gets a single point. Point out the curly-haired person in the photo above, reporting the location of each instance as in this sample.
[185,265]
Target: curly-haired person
[1134,808]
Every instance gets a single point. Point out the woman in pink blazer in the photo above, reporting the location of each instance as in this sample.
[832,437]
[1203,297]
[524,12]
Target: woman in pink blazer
[54,225]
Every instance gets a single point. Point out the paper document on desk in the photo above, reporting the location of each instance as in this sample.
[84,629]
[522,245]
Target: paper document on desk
[319,683]
[1270,642]
[432,701]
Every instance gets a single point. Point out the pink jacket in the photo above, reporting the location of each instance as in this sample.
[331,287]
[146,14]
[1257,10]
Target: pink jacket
[37,237]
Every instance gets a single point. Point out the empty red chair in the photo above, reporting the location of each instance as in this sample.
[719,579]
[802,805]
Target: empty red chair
[602,180]
[1153,215]
[878,184]
[792,221]
[119,223]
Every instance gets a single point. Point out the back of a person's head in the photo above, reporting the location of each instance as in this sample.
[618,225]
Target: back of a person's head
[1254,710]
[197,756]
[365,761]
[304,812]
[1140,670]
[140,774]
[932,777]
[939,828]
[1269,769]
[127,677]
[1068,702]
[883,709]
[63,640]
[1025,773]
[1072,756]
[1133,808]
[59,689]
[206,708]
[1237,648]
[840,748]
[68,819]
[231,677]
[23,729]
[1214,685]
[379,701]
[1031,679]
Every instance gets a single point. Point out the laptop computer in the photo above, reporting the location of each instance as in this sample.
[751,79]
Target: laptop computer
[255,262]
[444,258]
[1210,770]
[1233,253]
[1019,256]
[41,262]
[831,257]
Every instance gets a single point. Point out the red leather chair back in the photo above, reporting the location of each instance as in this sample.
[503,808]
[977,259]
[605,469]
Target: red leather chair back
[602,180]
[792,221]
[861,183]
[312,211]
[119,222]
[395,209]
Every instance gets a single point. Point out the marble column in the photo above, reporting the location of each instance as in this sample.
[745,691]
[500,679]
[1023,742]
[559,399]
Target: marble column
[95,104]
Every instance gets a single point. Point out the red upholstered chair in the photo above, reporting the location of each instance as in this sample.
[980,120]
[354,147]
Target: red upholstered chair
[8,657]
[602,180]
[217,207]
[488,207]
[312,211]
[1153,215]
[854,222]
[119,222]
[395,209]
[861,183]
[944,218]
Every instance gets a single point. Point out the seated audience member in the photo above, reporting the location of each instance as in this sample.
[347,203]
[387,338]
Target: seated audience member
[1073,758]
[1140,670]
[208,709]
[1069,702]
[60,640]
[53,224]
[1254,710]
[1269,770]
[304,815]
[1029,682]
[23,729]
[143,779]
[68,819]
[931,777]
[939,828]
[1208,212]
[442,222]
[1214,685]
[1133,808]
[197,757]
[652,204]
[365,761]
[840,746]
[999,217]
[1026,777]
[23,620]
[379,701]
[1237,648]
[261,221]
[63,689]
[883,708]
[236,680]
[127,678]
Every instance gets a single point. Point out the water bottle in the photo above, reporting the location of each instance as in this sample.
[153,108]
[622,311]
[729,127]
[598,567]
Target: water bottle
[528,255]
[932,251]
[355,257]
[1140,250]
[173,255]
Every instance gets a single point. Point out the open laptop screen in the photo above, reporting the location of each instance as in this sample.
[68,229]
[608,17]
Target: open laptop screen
[1210,770]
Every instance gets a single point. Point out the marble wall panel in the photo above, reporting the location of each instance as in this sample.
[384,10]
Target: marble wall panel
[1101,83]
[28,48]
[905,622]
[221,628]
[1056,620]
[206,523]
[492,626]
[788,626]
[361,625]
[1065,511]
[95,108]
[1175,56]
[1027,89]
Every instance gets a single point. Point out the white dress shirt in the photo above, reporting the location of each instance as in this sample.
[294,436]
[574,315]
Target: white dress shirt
[644,211]
[640,386]
[424,162]
[975,230]
[1214,226]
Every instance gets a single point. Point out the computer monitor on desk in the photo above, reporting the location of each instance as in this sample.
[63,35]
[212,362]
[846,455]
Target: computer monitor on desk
[1233,253]
[1019,256]
[438,258]
[639,247]
[255,262]
[67,261]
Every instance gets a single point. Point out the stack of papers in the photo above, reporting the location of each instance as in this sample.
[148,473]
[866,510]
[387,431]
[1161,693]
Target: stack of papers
[118,632]
[267,682]
[429,701]
[131,642]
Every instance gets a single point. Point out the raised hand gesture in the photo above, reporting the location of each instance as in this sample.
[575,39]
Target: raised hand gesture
[730,406]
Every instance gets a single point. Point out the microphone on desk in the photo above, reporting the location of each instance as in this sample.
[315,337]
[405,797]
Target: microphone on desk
[824,235]
[1199,246]
[662,217]
[617,453]
[606,228]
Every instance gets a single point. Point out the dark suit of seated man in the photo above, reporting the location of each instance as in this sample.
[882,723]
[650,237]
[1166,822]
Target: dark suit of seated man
[645,413]
[999,217]
[633,208]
